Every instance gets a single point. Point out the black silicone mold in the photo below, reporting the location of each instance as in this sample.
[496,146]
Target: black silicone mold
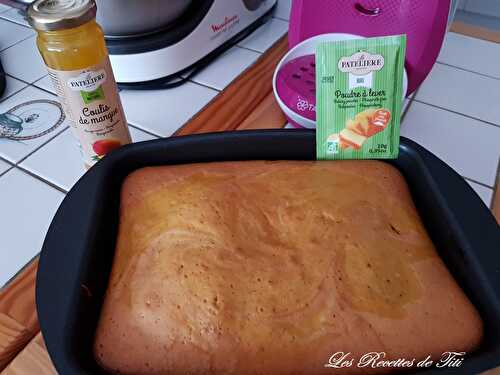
[78,251]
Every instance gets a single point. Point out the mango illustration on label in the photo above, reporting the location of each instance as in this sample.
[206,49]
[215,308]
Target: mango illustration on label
[104,146]
[359,98]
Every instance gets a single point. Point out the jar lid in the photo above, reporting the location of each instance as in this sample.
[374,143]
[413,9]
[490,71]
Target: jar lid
[51,15]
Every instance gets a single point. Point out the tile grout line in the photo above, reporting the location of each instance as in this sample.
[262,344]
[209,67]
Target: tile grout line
[260,52]
[41,88]
[412,99]
[204,85]
[6,160]
[254,50]
[59,132]
[9,163]
[22,40]
[234,79]
[27,85]
[24,88]
[8,169]
[10,20]
[38,177]
[6,284]
[488,204]
[479,182]
[279,18]
[19,23]
[39,79]
[17,163]
[174,134]
[20,79]
[43,144]
[5,97]
[44,180]
[138,127]
[410,102]
[144,131]
[20,161]
[468,70]
[458,113]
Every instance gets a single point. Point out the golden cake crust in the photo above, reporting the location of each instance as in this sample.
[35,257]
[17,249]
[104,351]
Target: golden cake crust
[271,267]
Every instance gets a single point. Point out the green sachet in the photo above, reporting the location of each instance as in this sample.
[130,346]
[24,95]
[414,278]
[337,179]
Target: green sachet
[359,87]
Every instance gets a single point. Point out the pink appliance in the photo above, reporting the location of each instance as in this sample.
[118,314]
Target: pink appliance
[297,86]
[423,21]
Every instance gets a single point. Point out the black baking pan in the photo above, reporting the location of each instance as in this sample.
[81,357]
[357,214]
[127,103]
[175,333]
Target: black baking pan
[77,254]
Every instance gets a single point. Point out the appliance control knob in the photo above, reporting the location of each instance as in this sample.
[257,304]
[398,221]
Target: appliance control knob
[367,10]
[253,4]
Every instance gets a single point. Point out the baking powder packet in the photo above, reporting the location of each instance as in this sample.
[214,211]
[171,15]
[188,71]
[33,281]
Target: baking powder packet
[359,85]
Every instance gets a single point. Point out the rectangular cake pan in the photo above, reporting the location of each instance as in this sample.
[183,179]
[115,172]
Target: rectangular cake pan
[78,251]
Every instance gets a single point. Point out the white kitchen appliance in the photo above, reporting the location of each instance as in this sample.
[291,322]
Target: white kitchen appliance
[166,57]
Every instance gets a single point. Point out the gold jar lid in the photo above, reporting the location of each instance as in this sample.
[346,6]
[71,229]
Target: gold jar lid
[51,15]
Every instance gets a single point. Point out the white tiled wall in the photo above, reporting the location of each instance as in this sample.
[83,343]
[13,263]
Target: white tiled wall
[46,84]
[456,111]
[12,34]
[283,9]
[464,92]
[162,112]
[226,68]
[262,39]
[15,15]
[65,171]
[15,151]
[22,60]
[471,147]
[28,206]
[476,55]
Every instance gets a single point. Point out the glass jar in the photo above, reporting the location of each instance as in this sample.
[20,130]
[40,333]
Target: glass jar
[72,46]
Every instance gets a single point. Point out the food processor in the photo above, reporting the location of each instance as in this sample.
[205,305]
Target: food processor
[204,30]
[423,22]
[161,43]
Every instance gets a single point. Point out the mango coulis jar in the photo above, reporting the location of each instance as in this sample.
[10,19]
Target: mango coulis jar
[72,46]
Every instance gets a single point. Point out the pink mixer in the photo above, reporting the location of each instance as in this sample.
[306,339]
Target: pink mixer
[297,85]
[423,22]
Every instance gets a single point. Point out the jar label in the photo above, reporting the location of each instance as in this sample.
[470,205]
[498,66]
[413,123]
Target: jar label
[92,105]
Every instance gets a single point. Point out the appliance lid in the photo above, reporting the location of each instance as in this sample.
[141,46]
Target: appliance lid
[51,15]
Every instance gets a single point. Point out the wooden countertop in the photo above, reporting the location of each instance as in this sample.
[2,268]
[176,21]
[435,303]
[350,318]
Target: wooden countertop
[248,103]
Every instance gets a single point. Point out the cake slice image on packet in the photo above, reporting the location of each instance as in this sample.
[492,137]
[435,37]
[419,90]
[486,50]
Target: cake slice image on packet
[359,86]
